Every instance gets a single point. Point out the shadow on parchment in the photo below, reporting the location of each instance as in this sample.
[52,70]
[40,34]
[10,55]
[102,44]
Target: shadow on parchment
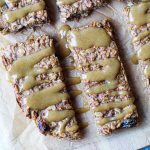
[52,11]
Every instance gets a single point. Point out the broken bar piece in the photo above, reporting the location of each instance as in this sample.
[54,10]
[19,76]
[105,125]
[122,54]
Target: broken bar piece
[21,14]
[36,75]
[138,16]
[75,9]
[103,76]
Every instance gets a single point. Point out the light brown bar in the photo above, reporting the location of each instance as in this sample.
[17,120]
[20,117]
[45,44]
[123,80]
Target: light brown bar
[75,9]
[103,76]
[138,17]
[36,75]
[23,14]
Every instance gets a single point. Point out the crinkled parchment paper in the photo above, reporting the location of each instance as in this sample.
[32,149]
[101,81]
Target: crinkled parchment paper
[19,133]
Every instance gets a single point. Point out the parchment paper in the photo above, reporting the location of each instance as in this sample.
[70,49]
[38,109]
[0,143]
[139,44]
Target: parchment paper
[19,133]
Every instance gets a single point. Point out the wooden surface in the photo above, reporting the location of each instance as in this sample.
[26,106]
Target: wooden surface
[19,133]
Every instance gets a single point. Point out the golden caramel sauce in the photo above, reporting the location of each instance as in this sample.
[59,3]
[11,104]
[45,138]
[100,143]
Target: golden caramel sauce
[85,104]
[47,97]
[116,93]
[73,129]
[28,62]
[82,110]
[64,50]
[97,37]
[66,2]
[88,37]
[120,116]
[144,52]
[109,85]
[62,125]
[19,13]
[147,70]
[31,80]
[55,115]
[111,105]
[75,93]
[73,80]
[25,67]
[69,68]
[111,67]
[134,59]
[2,2]
[139,14]
[83,125]
[141,36]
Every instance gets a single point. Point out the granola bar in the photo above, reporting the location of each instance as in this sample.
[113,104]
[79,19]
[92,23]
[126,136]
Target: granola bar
[2,8]
[22,14]
[138,16]
[36,75]
[103,76]
[75,9]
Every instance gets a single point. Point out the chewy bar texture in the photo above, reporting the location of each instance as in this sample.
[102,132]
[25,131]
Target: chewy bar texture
[36,76]
[2,8]
[23,13]
[138,16]
[103,76]
[75,9]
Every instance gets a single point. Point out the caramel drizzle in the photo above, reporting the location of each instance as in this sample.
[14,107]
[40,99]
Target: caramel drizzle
[73,80]
[47,97]
[75,93]
[139,14]
[2,2]
[141,36]
[55,116]
[110,69]
[85,39]
[88,37]
[120,116]
[66,2]
[82,110]
[147,70]
[24,67]
[64,50]
[31,80]
[109,85]
[19,13]
[68,68]
[64,116]
[112,105]
[144,52]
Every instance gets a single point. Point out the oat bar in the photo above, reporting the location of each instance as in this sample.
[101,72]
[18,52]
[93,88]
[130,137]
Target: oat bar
[75,9]
[3,6]
[36,75]
[22,14]
[138,16]
[103,76]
